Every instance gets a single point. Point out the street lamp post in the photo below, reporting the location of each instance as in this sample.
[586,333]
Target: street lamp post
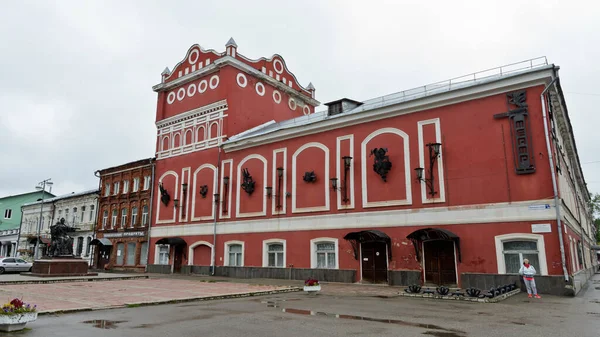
[39,227]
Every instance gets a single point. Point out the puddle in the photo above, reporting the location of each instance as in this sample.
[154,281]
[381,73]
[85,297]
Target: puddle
[518,323]
[456,333]
[440,334]
[103,323]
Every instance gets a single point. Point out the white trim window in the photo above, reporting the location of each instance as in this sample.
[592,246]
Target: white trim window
[324,253]
[145,215]
[512,249]
[82,213]
[124,218]
[113,222]
[91,212]
[106,190]
[163,254]
[235,253]
[134,211]
[125,186]
[7,213]
[74,215]
[116,188]
[274,253]
[136,184]
[146,183]
[104,218]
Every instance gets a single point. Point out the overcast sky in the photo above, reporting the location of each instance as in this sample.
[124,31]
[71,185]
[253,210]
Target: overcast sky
[76,76]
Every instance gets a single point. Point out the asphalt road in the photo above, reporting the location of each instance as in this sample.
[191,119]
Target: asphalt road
[302,315]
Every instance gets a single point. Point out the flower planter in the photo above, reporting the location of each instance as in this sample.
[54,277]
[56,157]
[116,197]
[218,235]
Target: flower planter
[16,322]
[310,289]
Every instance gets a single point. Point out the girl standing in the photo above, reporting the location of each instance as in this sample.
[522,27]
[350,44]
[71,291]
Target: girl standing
[528,272]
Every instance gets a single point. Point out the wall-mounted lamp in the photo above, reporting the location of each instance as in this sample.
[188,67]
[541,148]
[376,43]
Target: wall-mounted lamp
[176,203]
[434,153]
[203,190]
[184,187]
[269,191]
[279,184]
[334,184]
[347,164]
[226,190]
[216,195]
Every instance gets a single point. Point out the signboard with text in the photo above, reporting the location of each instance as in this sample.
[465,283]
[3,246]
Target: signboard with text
[124,234]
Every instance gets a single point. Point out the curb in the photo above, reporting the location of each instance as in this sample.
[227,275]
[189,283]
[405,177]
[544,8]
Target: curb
[42,281]
[182,300]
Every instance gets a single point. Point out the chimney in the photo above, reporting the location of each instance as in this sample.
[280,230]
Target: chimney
[341,106]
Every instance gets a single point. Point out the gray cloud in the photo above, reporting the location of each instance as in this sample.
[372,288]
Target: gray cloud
[76,77]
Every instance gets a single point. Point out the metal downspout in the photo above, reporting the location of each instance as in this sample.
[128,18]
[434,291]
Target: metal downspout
[554,185]
[150,215]
[16,253]
[214,253]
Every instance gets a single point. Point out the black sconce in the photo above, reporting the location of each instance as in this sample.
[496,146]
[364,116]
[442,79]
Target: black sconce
[382,164]
[334,184]
[269,191]
[216,195]
[310,177]
[226,190]
[203,190]
[184,188]
[176,203]
[434,153]
[347,164]
[164,195]
[249,183]
[279,184]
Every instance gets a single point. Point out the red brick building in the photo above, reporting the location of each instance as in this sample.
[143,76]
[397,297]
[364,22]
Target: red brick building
[123,217]
[450,183]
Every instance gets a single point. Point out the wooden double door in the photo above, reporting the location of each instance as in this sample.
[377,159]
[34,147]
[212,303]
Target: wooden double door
[374,262]
[440,266]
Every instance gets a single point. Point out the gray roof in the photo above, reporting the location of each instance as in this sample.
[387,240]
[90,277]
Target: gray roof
[64,196]
[396,98]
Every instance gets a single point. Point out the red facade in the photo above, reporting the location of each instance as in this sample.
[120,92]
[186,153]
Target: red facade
[253,118]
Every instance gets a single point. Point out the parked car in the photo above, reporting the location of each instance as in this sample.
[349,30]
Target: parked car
[9,264]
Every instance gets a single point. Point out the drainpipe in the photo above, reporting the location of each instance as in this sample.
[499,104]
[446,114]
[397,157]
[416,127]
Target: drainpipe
[16,253]
[150,214]
[214,254]
[553,173]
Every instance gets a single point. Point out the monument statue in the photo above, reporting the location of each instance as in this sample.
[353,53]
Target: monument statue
[61,243]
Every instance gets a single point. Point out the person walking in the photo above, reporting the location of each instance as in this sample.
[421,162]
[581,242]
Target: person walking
[528,271]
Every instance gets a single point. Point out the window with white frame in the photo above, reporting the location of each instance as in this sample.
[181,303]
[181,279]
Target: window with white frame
[113,220]
[91,212]
[163,254]
[67,214]
[136,184]
[123,217]
[515,251]
[326,255]
[7,213]
[120,253]
[134,211]
[125,186]
[275,254]
[104,218]
[143,253]
[145,215]
[235,255]
[82,213]
[116,188]
[59,213]
[74,215]
[146,182]
[106,190]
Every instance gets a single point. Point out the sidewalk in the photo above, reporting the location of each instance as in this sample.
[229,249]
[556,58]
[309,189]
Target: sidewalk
[7,279]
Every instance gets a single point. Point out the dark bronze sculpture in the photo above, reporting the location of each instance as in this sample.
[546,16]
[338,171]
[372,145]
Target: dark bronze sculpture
[61,244]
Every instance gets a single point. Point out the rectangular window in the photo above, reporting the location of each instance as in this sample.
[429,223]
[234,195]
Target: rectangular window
[235,255]
[79,246]
[275,251]
[144,216]
[106,190]
[163,255]
[516,251]
[146,182]
[326,255]
[88,246]
[131,254]
[144,253]
[82,213]
[125,186]
[91,212]
[136,184]
[133,216]
[116,188]
[120,253]
[104,218]
[123,217]
[7,213]
[113,222]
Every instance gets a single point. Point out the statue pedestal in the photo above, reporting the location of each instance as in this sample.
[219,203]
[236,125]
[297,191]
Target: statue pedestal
[60,267]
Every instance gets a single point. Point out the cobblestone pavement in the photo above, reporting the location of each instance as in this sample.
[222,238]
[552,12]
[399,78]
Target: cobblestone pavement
[105,294]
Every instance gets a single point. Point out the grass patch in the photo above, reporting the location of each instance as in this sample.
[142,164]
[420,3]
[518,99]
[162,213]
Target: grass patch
[133,305]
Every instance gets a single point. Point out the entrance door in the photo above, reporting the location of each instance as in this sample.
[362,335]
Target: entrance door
[103,256]
[177,259]
[374,262]
[439,262]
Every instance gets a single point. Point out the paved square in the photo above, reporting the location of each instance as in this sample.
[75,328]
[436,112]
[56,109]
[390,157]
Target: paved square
[105,294]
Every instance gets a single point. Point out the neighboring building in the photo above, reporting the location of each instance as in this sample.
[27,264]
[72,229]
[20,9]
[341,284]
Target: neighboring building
[124,216]
[450,183]
[10,219]
[78,210]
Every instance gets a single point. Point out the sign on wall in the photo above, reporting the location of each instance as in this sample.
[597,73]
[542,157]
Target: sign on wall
[124,234]
[541,228]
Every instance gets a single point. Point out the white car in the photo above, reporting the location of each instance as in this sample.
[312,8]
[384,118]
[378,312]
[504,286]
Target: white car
[14,264]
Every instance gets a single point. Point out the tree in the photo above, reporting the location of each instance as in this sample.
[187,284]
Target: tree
[595,208]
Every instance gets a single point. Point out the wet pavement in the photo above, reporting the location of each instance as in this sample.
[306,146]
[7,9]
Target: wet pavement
[331,314]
